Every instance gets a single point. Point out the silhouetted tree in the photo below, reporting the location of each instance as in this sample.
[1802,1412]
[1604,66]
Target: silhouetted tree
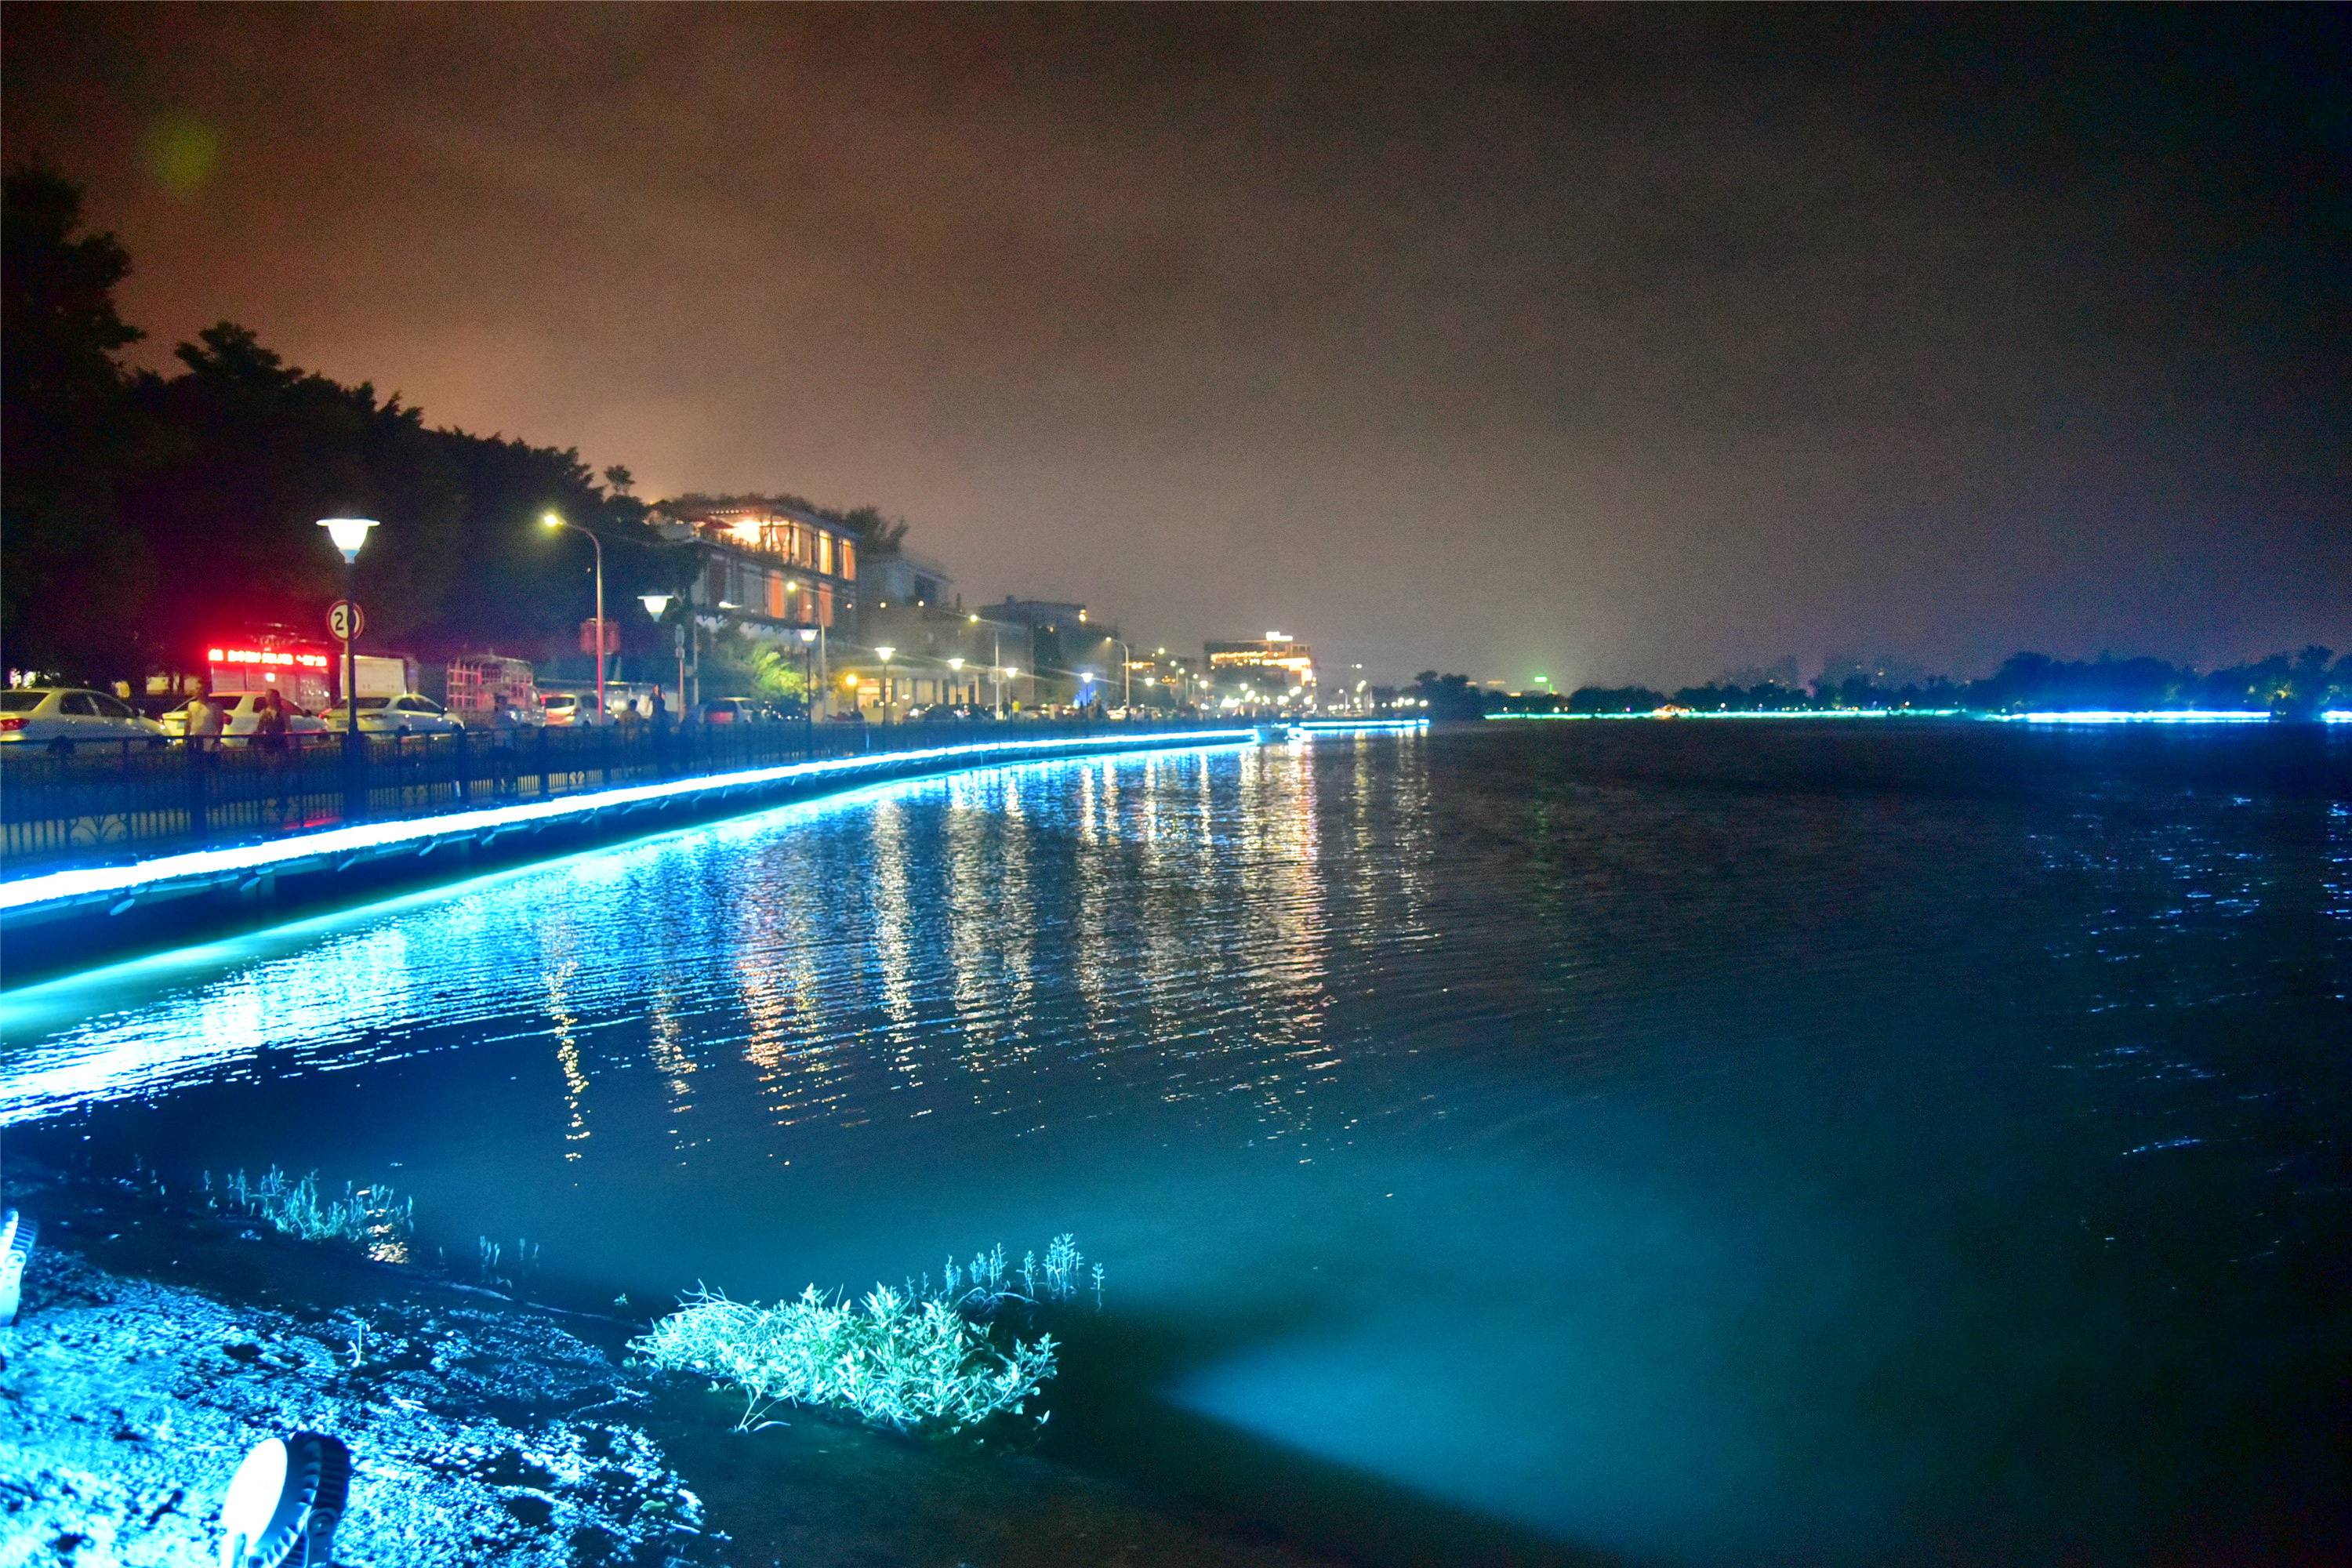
[1449,696]
[1614,699]
[74,586]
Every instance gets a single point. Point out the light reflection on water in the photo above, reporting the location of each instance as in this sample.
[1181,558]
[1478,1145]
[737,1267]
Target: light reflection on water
[1664,1165]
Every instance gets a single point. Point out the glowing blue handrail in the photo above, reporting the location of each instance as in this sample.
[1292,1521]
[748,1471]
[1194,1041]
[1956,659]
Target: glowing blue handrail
[91,881]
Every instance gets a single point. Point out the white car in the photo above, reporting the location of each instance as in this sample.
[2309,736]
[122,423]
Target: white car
[564,710]
[63,717]
[409,715]
[241,716]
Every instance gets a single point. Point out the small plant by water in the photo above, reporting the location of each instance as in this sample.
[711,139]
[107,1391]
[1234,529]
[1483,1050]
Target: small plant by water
[924,1357]
[371,1217]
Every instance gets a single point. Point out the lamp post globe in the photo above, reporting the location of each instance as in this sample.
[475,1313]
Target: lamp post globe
[349,535]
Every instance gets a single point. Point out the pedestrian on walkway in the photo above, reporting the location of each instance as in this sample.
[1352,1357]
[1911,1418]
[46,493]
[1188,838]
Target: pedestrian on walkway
[269,726]
[270,730]
[203,719]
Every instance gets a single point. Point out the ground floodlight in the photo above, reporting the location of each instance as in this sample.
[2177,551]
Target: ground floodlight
[16,1234]
[284,1503]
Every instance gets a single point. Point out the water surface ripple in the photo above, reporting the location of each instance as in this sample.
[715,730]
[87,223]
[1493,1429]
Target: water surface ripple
[1739,1144]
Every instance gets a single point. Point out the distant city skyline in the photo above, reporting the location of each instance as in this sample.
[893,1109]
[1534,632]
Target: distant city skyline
[1611,345]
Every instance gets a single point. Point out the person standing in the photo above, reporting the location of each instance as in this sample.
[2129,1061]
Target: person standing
[270,734]
[269,725]
[203,719]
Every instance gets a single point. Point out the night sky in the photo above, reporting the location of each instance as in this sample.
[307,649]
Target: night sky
[1603,343]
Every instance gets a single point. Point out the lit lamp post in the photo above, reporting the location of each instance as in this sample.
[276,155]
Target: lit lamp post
[1126,658]
[808,685]
[956,665]
[657,606]
[555,519]
[348,534]
[884,653]
[996,671]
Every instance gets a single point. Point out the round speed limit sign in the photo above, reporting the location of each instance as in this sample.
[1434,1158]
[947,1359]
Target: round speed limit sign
[344,620]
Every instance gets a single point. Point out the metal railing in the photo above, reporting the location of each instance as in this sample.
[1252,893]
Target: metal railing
[121,801]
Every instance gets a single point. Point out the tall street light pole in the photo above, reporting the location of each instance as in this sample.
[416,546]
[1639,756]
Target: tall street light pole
[1126,658]
[348,534]
[884,654]
[657,606]
[808,686]
[555,519]
[997,670]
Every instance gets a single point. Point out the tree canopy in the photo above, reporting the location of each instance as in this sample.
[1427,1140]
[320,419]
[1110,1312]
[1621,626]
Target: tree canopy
[146,515]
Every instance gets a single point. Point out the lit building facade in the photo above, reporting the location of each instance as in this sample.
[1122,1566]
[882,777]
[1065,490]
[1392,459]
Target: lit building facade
[1273,664]
[769,569]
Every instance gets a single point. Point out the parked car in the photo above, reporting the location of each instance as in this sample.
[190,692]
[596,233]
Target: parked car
[241,716]
[562,710]
[738,711]
[62,717]
[410,715]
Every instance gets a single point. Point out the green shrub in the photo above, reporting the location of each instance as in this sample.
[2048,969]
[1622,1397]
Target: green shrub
[912,1358]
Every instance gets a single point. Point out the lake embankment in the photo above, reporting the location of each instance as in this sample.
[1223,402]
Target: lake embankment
[159,1341]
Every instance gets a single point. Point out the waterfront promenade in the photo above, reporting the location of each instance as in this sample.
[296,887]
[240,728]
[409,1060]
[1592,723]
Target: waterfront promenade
[116,851]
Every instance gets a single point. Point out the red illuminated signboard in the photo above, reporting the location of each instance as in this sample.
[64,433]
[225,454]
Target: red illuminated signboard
[264,657]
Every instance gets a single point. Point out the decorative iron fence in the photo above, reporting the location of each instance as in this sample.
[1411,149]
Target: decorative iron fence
[120,802]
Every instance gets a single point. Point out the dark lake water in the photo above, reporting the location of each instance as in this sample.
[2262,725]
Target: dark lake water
[1702,1142]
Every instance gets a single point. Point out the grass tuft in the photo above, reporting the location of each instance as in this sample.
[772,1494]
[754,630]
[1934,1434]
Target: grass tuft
[921,1358]
[368,1217]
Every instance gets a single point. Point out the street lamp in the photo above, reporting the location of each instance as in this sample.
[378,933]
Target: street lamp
[884,654]
[348,534]
[555,519]
[1126,658]
[657,606]
[808,685]
[996,672]
[955,665]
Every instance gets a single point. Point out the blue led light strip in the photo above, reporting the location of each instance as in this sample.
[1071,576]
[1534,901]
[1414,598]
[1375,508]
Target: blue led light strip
[2143,716]
[200,865]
